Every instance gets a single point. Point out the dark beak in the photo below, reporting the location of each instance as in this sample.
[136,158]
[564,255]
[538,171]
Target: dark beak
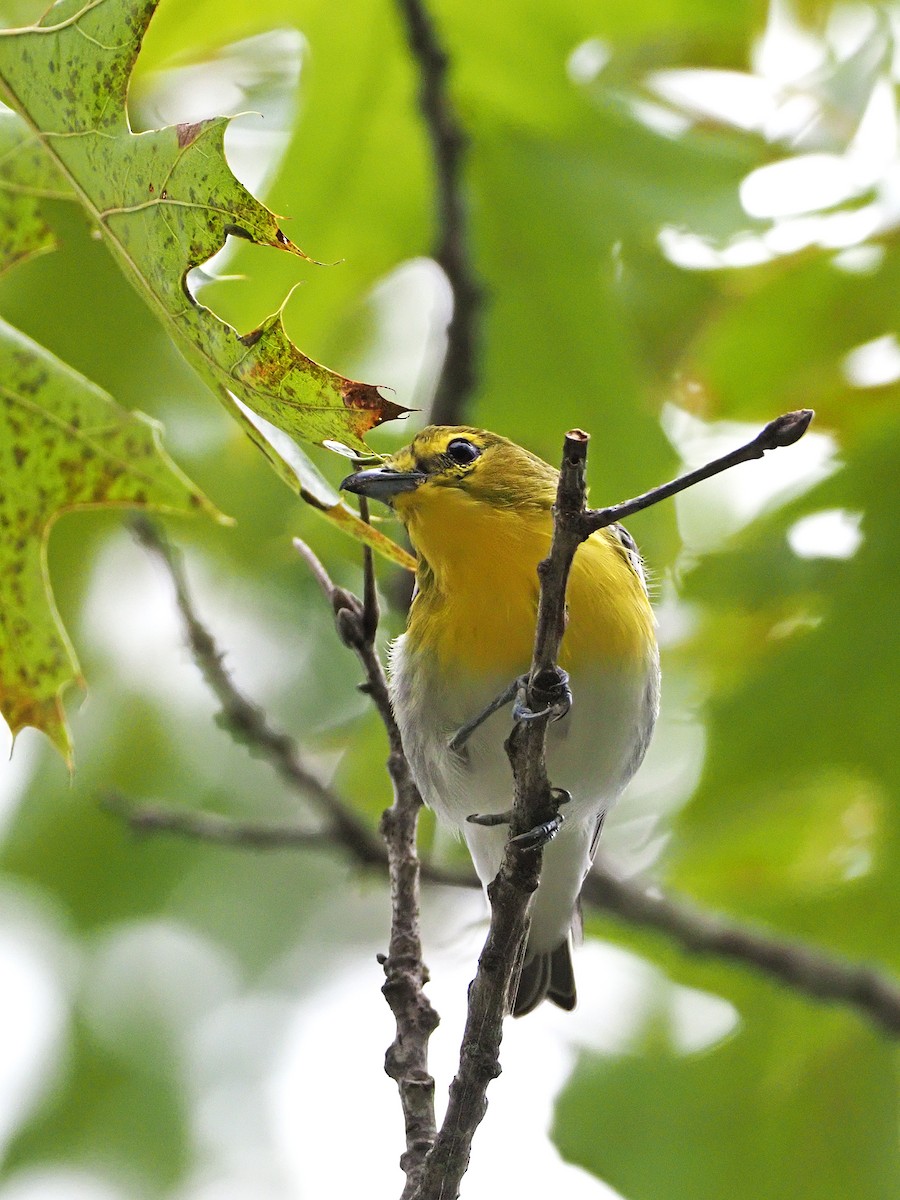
[382,483]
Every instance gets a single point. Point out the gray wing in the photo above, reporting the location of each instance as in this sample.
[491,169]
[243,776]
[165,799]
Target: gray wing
[630,552]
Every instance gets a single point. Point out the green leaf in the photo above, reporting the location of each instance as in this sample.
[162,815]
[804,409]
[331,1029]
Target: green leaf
[27,178]
[64,444]
[165,202]
[301,475]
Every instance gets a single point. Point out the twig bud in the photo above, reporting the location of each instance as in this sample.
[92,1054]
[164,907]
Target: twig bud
[787,429]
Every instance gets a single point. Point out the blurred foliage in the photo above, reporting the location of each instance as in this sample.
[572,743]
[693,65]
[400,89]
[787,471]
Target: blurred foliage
[631,293]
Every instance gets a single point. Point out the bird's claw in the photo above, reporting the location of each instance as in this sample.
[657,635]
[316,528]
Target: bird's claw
[490,819]
[540,835]
[549,693]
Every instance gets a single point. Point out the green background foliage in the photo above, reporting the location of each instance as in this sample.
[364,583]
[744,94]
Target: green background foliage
[179,975]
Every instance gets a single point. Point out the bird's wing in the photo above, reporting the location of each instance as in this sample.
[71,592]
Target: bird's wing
[630,551]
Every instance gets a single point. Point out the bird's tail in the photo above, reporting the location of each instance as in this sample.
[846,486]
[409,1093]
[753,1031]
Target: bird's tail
[546,977]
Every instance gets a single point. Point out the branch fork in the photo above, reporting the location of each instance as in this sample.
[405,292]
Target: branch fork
[406,1060]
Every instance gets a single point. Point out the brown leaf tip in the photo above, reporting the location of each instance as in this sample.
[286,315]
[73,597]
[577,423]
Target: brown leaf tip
[251,338]
[365,397]
[188,132]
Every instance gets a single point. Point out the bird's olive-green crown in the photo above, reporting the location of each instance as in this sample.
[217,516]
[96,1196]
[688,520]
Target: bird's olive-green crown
[487,466]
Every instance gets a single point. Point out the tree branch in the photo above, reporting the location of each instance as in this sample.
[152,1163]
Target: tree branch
[519,875]
[246,721]
[214,829]
[813,973]
[405,972]
[406,1060]
[219,830]
[448,144]
[783,431]
[534,798]
[438,1172]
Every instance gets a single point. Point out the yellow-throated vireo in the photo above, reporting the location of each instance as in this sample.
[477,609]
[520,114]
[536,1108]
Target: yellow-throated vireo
[478,509]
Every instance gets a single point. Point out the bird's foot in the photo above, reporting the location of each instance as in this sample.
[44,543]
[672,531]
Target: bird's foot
[549,693]
[462,735]
[540,835]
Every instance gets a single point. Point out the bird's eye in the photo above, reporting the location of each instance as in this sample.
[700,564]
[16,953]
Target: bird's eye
[462,452]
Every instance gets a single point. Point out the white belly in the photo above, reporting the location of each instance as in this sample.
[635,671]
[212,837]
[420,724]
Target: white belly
[591,753]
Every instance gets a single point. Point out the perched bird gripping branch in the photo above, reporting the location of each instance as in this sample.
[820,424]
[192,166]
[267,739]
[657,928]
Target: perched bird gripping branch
[478,509]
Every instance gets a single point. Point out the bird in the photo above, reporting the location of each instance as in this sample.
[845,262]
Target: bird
[478,509]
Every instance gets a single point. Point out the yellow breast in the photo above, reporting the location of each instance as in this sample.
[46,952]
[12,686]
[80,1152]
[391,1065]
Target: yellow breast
[478,588]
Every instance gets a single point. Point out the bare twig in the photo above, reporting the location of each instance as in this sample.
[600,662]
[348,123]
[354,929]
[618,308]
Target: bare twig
[809,971]
[405,972]
[448,144]
[219,830]
[783,431]
[246,721]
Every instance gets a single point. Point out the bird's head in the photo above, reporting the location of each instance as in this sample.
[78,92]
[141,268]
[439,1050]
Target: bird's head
[448,470]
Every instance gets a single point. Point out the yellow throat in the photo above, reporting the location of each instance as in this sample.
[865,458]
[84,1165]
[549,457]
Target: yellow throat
[479,533]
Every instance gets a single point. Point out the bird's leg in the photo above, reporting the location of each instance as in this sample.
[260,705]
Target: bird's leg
[550,690]
[490,819]
[549,693]
[540,835]
[464,732]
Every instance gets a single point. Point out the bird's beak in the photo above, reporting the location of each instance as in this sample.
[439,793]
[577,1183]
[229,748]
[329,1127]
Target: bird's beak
[382,483]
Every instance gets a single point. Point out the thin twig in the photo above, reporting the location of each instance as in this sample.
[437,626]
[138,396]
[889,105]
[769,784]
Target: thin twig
[783,431]
[406,1060]
[246,721]
[219,830]
[405,972]
[448,144]
[813,973]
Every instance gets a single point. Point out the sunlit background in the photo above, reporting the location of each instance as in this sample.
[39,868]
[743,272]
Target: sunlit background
[685,216]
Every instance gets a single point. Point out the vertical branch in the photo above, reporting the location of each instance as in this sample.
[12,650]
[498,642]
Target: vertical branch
[448,145]
[406,1061]
[519,875]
